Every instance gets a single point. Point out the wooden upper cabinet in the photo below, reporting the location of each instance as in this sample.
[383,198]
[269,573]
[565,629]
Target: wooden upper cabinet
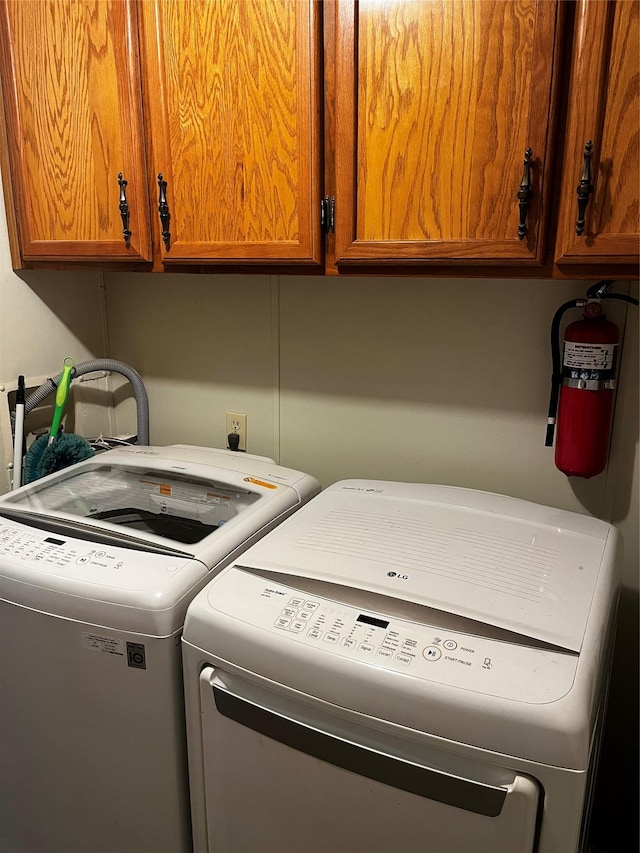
[73,112]
[436,104]
[604,120]
[233,126]
[231,92]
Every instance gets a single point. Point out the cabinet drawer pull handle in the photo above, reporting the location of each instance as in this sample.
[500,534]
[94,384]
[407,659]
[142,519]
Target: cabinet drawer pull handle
[585,188]
[524,194]
[124,208]
[163,210]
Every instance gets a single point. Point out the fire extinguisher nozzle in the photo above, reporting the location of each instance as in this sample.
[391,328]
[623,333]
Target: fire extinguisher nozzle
[551,427]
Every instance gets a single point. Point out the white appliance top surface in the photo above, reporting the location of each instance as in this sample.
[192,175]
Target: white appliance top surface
[500,561]
[138,529]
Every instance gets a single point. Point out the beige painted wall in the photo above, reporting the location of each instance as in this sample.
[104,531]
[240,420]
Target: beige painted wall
[437,380]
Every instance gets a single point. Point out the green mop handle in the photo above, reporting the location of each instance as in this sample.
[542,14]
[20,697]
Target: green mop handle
[61,396]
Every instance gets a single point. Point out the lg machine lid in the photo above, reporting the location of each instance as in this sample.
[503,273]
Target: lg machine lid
[507,563]
[173,498]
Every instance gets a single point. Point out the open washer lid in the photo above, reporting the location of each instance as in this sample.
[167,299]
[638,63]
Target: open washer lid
[501,561]
[127,537]
[174,497]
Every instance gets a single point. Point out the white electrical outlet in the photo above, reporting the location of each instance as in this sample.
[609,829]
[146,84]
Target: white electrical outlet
[237,423]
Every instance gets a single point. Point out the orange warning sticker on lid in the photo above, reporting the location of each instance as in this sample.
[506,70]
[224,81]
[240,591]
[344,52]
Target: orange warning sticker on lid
[162,488]
[260,483]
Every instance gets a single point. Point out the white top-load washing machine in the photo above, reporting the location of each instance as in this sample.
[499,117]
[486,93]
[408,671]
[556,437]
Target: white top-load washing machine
[97,566]
[402,667]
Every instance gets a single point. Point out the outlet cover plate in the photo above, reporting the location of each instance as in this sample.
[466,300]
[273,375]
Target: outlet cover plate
[237,422]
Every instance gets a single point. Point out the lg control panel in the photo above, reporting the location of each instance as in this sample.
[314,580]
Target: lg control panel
[424,651]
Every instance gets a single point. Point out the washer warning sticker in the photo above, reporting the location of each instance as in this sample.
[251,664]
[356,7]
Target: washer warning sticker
[103,644]
[183,492]
[259,483]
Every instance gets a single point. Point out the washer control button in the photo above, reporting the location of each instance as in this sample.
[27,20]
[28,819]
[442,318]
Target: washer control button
[431,653]
[450,645]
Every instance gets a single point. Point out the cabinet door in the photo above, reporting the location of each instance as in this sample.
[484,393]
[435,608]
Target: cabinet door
[233,96]
[436,105]
[73,109]
[604,109]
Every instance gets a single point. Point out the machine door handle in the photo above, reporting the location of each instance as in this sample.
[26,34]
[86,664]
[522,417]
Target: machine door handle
[479,797]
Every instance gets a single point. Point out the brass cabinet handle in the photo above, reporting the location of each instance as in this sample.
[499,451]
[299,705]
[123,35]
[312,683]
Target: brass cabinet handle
[524,194]
[124,208]
[585,188]
[163,210]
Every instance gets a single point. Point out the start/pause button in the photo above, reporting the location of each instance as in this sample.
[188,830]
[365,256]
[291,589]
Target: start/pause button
[431,653]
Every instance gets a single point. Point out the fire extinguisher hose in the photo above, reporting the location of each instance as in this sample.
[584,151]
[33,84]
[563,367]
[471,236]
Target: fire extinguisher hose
[600,290]
[556,366]
[622,296]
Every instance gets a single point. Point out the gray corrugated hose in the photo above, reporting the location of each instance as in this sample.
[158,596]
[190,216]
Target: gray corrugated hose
[140,392]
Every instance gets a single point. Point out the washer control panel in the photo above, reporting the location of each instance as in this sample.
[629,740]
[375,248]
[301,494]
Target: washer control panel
[323,626]
[30,554]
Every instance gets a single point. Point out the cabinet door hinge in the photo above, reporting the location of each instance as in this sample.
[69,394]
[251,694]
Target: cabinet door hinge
[328,214]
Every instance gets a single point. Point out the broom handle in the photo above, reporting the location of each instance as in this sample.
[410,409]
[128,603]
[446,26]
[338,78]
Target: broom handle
[18,435]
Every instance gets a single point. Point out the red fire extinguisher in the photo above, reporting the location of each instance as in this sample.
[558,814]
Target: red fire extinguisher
[583,385]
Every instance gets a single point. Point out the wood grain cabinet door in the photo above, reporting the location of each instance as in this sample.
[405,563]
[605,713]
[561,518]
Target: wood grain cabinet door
[603,122]
[73,110]
[436,104]
[232,88]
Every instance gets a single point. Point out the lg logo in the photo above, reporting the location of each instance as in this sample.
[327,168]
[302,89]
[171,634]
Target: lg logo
[396,575]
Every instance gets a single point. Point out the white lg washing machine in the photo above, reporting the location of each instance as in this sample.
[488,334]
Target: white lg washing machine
[402,668]
[97,566]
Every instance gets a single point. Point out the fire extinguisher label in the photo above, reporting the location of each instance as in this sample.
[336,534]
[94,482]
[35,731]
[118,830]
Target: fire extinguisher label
[589,361]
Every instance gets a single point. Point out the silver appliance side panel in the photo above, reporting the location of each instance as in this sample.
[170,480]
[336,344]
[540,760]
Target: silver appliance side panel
[280,777]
